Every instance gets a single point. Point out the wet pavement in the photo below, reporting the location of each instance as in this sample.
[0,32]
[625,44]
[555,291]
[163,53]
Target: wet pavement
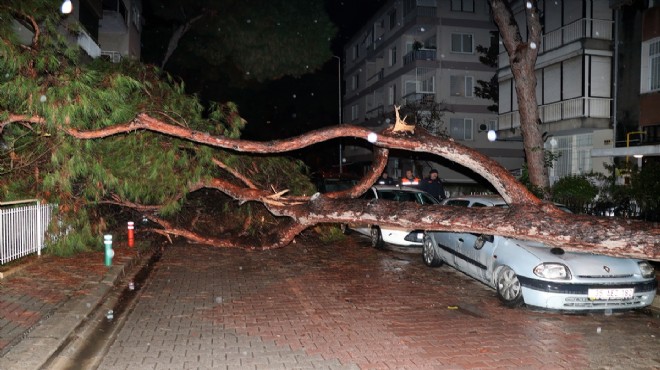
[348,306]
[308,306]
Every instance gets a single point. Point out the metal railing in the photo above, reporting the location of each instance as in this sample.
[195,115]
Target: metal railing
[22,228]
[421,54]
[584,28]
[573,108]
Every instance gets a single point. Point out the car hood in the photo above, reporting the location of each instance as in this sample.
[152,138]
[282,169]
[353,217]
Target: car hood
[582,264]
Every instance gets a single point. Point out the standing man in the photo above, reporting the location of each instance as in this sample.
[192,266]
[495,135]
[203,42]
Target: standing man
[433,185]
[385,179]
[409,179]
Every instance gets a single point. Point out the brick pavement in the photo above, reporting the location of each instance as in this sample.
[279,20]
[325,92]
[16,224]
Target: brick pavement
[347,306]
[35,288]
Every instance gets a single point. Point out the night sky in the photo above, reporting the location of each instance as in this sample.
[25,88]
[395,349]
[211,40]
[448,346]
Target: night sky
[285,107]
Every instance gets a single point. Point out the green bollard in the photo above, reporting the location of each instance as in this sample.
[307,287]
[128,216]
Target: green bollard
[109,253]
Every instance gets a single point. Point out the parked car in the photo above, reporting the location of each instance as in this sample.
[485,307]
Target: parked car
[531,273]
[397,236]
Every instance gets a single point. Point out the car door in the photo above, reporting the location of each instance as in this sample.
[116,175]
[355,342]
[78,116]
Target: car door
[448,242]
[473,252]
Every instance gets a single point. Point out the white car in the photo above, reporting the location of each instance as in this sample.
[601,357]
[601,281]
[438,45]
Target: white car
[396,236]
[531,273]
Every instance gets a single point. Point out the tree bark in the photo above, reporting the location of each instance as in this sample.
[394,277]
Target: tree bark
[522,59]
[527,218]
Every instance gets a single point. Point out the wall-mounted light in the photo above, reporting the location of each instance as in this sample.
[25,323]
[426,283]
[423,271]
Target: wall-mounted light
[492,135]
[67,7]
[638,156]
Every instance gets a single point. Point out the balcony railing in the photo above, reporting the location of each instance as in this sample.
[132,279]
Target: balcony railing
[376,112]
[419,97]
[574,108]
[376,76]
[421,54]
[421,11]
[583,28]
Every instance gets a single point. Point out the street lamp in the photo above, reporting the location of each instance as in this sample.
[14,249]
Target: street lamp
[341,159]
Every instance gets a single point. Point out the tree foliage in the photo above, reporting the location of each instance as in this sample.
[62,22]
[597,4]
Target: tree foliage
[248,39]
[39,158]
[94,135]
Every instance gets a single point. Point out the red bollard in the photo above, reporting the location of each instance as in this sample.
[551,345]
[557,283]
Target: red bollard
[131,238]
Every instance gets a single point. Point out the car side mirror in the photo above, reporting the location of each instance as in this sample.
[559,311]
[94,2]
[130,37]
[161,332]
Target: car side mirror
[481,241]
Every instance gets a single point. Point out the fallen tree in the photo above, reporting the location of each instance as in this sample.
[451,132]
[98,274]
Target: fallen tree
[527,217]
[89,135]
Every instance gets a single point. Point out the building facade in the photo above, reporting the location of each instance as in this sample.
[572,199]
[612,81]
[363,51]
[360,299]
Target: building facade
[422,53]
[574,83]
[108,28]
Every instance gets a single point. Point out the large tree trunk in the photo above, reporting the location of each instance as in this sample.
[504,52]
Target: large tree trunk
[522,59]
[527,218]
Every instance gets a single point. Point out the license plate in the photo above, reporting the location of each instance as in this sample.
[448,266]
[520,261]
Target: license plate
[605,294]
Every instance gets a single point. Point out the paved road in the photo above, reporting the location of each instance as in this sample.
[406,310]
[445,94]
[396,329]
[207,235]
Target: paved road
[348,306]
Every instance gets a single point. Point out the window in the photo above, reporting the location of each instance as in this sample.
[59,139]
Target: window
[392,56]
[355,82]
[392,19]
[462,6]
[354,112]
[391,98]
[461,128]
[462,86]
[356,51]
[427,85]
[654,64]
[461,43]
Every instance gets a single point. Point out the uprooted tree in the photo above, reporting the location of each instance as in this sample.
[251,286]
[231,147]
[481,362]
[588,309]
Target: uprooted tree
[88,136]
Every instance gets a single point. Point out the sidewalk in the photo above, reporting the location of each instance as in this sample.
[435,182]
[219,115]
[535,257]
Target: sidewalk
[44,299]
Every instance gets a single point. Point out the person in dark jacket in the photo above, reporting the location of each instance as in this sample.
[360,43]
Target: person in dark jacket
[385,179]
[433,185]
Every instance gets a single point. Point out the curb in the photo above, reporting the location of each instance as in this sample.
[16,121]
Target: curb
[41,343]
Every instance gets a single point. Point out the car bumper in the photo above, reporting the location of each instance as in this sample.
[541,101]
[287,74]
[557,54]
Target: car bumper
[405,238]
[574,297]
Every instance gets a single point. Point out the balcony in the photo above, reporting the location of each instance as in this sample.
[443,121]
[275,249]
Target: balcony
[419,98]
[584,28]
[574,108]
[420,11]
[376,77]
[421,54]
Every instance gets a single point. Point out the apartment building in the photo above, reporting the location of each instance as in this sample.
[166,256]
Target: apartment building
[637,79]
[423,52]
[574,83]
[109,28]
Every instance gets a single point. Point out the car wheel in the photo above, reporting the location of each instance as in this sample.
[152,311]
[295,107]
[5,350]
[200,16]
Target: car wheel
[430,253]
[345,229]
[376,237]
[509,290]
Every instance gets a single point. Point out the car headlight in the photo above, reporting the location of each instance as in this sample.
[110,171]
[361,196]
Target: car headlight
[552,271]
[647,270]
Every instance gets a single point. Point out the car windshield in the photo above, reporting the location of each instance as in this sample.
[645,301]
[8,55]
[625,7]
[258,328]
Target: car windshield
[406,196]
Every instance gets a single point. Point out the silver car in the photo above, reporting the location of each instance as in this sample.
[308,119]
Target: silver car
[393,235]
[524,272]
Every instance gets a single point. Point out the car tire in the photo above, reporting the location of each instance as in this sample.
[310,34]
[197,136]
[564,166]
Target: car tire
[509,290]
[376,237]
[430,253]
[344,229]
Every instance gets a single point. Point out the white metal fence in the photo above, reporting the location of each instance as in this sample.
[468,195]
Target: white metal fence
[22,228]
